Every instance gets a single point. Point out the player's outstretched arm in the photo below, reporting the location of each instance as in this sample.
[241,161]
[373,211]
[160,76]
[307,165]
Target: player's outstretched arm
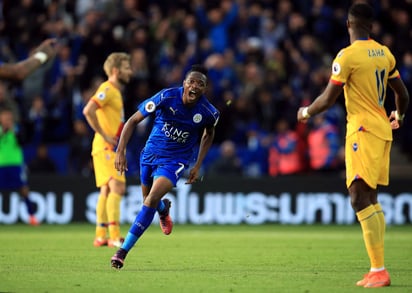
[19,71]
[324,101]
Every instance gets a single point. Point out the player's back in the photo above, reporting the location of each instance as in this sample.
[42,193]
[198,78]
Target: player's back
[364,67]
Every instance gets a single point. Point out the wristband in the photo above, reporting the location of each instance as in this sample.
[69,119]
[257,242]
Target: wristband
[399,117]
[305,113]
[41,56]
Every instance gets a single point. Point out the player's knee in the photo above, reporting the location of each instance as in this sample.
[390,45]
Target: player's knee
[359,201]
[360,194]
[117,187]
[151,201]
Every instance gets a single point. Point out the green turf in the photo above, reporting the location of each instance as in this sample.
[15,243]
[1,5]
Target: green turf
[268,258]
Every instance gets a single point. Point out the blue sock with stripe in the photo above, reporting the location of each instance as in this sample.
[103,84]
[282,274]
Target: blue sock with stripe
[143,220]
[160,206]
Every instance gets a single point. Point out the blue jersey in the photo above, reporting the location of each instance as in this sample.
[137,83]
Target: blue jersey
[177,128]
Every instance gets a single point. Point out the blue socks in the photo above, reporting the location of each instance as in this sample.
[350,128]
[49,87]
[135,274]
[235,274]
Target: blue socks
[29,205]
[143,220]
[160,206]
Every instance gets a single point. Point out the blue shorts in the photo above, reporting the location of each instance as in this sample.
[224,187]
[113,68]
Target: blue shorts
[12,177]
[152,167]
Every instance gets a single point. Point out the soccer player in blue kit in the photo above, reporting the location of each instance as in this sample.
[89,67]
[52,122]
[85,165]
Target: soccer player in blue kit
[182,115]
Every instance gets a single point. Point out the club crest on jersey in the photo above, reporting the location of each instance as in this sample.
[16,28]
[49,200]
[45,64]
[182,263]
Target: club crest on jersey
[197,118]
[335,68]
[150,107]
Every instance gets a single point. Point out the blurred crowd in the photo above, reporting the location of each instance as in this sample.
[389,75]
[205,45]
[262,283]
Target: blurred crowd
[265,59]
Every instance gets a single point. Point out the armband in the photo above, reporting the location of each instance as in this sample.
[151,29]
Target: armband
[305,113]
[41,56]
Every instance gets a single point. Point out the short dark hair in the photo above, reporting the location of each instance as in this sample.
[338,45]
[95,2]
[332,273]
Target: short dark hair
[198,68]
[362,11]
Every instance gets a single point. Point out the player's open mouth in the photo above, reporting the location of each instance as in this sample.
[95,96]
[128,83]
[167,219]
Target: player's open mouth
[193,94]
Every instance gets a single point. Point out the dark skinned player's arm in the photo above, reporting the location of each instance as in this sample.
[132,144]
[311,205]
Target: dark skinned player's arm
[120,162]
[205,144]
[20,70]
[324,101]
[401,95]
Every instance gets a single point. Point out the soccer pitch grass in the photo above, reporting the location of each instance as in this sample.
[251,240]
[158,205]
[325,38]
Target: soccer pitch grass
[267,258]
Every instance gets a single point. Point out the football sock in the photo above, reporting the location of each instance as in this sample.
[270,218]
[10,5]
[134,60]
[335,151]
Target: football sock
[143,219]
[160,207]
[371,228]
[382,226]
[377,269]
[381,217]
[29,205]
[101,216]
[113,214]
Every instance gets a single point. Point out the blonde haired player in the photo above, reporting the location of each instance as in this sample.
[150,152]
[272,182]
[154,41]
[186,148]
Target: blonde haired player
[105,114]
[363,70]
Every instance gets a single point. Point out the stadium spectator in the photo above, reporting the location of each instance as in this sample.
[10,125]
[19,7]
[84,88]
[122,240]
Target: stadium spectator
[363,75]
[42,163]
[284,155]
[254,155]
[36,121]
[6,101]
[221,74]
[227,162]
[265,108]
[216,22]
[405,70]
[323,145]
[80,147]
